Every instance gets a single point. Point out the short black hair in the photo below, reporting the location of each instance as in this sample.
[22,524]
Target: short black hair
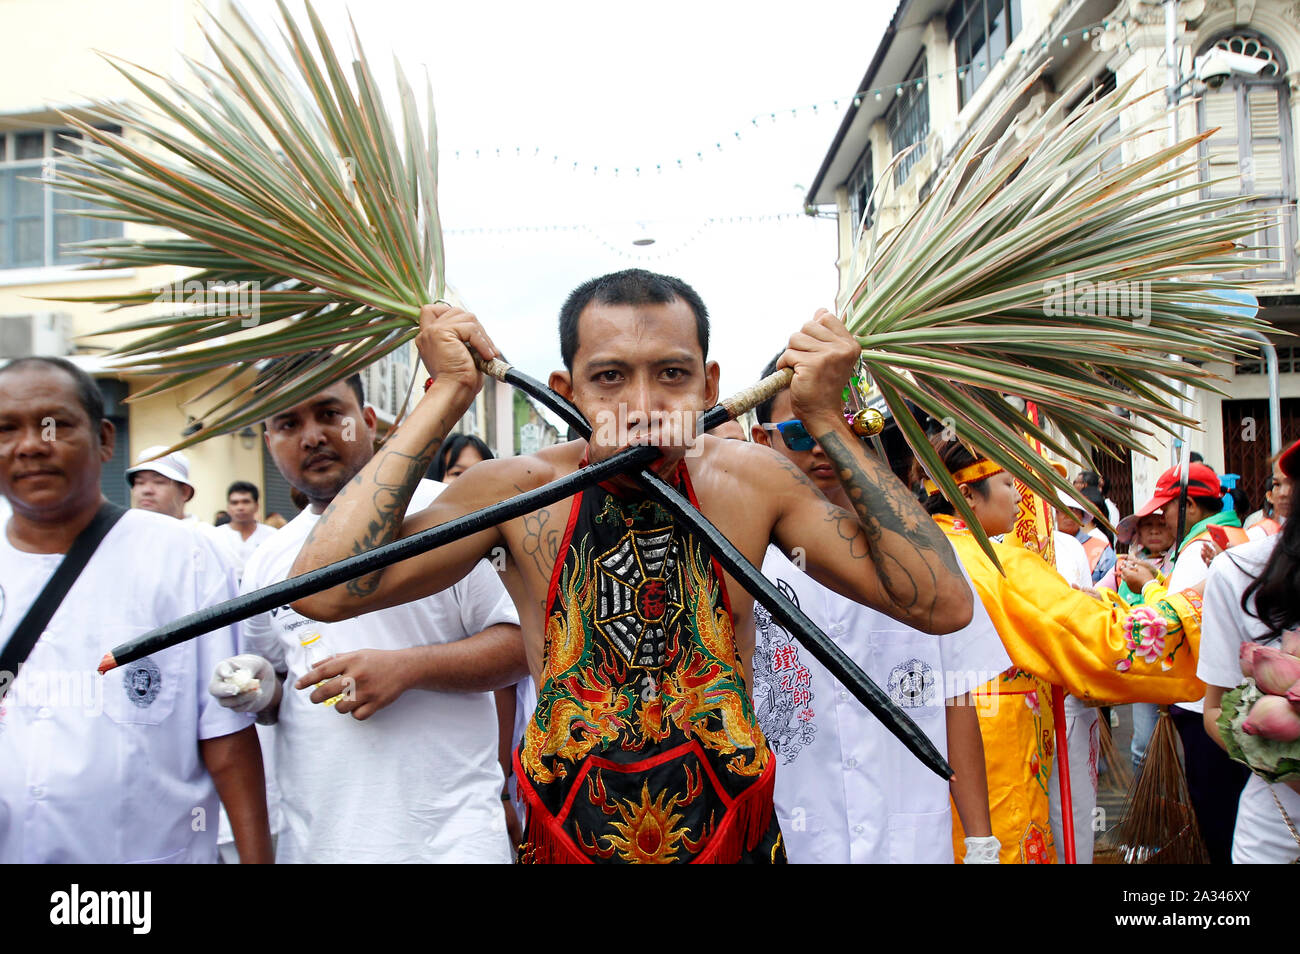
[243,487]
[632,286]
[88,394]
[763,411]
[1090,478]
[450,452]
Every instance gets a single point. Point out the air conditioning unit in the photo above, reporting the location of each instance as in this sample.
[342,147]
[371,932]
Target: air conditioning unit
[43,333]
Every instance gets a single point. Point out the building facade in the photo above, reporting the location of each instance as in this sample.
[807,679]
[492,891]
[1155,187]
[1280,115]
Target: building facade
[50,68]
[941,62]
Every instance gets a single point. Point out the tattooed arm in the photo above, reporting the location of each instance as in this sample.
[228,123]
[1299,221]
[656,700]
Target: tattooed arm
[887,552]
[371,509]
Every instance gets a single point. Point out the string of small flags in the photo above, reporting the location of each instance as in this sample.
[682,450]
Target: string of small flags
[685,161]
[646,256]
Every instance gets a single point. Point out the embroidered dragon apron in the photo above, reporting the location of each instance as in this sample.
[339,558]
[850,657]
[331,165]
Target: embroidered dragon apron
[644,747]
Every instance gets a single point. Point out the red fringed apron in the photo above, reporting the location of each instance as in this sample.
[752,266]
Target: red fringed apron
[644,747]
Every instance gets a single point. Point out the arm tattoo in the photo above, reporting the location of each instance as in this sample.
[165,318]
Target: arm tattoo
[541,542]
[882,504]
[394,481]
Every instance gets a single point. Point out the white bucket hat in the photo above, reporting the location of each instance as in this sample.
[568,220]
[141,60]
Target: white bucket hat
[175,465]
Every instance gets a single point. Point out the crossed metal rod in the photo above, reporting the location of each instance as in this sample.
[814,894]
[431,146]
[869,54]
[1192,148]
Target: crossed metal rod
[631,460]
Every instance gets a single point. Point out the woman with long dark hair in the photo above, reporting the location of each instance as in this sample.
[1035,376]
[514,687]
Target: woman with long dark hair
[458,453]
[1055,635]
[1253,595]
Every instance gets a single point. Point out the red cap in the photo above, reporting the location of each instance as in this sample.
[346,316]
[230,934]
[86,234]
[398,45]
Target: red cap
[1202,482]
[1289,462]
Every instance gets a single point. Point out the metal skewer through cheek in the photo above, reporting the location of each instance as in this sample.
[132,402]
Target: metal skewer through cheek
[783,610]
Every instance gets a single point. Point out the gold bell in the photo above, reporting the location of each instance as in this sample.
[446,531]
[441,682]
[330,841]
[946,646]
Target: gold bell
[868,422]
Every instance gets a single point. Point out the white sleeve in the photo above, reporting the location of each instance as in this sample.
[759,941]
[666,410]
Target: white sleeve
[1189,568]
[482,600]
[974,654]
[212,586]
[1222,629]
[258,634]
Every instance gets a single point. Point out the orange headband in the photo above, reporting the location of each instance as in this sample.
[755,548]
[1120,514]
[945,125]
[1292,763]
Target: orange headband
[968,475]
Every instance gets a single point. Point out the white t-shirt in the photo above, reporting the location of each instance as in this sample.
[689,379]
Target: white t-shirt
[108,769]
[1261,836]
[241,549]
[846,789]
[265,733]
[1072,560]
[418,781]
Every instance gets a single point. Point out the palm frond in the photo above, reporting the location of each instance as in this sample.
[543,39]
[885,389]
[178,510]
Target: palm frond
[957,307]
[283,173]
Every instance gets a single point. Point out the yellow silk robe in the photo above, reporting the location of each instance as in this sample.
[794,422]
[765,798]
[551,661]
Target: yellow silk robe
[1056,635]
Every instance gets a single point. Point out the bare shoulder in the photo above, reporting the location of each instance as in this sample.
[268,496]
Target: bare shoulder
[505,477]
[751,464]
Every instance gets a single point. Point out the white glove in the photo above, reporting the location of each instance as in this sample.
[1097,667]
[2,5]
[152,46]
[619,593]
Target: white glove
[983,851]
[245,683]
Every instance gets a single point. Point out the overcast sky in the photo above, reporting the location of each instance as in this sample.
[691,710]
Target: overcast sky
[620,85]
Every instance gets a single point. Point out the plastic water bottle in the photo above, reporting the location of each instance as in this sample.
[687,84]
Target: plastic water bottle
[318,652]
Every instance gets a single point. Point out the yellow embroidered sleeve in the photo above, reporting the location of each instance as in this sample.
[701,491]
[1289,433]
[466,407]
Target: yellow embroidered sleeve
[1095,650]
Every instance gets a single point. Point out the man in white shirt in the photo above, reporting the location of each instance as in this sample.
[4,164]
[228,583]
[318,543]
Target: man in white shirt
[847,791]
[125,767]
[243,534]
[392,757]
[160,482]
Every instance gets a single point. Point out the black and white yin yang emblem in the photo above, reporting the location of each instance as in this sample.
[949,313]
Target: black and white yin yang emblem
[639,595]
[911,684]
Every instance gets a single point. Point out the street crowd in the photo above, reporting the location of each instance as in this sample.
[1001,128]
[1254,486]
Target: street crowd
[585,682]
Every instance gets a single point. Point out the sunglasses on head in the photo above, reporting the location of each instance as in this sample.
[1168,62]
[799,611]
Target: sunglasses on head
[794,434]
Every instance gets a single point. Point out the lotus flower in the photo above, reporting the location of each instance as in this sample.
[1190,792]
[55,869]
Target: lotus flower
[1246,657]
[1275,671]
[1291,642]
[1293,694]
[1272,717]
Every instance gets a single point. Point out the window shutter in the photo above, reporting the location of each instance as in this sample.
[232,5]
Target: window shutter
[1221,148]
[1265,141]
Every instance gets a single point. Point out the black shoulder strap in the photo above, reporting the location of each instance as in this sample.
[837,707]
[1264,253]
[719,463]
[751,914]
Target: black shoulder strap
[31,626]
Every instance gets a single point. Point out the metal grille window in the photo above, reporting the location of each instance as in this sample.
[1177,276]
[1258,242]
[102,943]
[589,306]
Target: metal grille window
[908,119]
[1288,361]
[861,183]
[981,31]
[1252,148]
[36,223]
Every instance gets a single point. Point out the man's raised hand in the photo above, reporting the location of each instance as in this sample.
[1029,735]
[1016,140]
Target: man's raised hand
[447,335]
[823,354]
